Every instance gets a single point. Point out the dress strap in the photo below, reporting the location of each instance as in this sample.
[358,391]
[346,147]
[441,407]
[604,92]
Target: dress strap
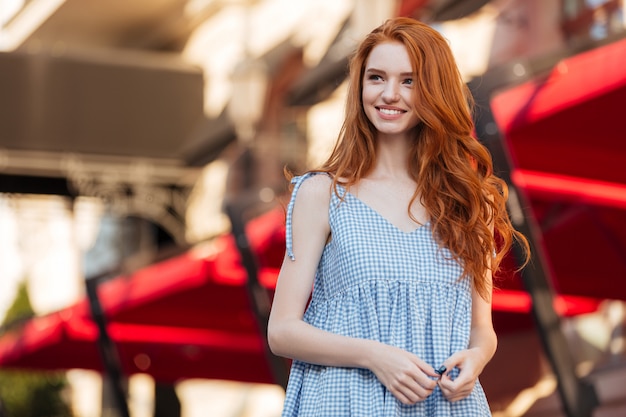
[297,182]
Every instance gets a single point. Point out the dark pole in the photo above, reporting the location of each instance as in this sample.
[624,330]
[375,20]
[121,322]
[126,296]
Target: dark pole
[258,295]
[108,352]
[577,396]
[166,401]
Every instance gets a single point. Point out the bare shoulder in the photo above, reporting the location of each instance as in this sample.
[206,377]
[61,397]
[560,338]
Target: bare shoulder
[316,189]
[312,201]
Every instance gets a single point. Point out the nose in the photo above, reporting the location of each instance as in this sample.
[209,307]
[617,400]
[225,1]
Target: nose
[391,92]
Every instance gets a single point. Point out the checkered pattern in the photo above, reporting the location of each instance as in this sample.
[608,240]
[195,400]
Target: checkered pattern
[375,281]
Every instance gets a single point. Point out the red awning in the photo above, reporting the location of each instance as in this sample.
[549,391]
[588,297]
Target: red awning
[567,139]
[186,317]
[570,122]
[189,316]
[63,341]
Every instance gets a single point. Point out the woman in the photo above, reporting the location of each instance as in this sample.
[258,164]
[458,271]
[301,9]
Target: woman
[384,297]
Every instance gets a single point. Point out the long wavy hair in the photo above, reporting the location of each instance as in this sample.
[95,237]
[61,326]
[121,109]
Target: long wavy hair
[453,171]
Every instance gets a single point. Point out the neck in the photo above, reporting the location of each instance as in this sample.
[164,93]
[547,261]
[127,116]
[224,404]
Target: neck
[391,158]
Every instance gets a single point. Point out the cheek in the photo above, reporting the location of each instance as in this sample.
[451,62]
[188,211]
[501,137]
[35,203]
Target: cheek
[370,92]
[366,95]
[368,110]
[367,100]
[409,96]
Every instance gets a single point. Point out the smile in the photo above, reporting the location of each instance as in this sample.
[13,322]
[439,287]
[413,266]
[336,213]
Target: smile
[390,112]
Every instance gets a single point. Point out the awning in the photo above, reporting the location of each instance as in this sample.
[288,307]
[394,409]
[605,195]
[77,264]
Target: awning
[571,121]
[186,317]
[51,103]
[167,353]
[189,316]
[567,138]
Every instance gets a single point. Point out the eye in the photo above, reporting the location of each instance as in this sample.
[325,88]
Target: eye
[408,81]
[374,77]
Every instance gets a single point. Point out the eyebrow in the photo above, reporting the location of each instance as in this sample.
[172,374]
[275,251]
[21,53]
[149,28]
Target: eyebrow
[403,74]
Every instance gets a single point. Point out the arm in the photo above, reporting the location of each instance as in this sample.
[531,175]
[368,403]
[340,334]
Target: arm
[404,374]
[471,362]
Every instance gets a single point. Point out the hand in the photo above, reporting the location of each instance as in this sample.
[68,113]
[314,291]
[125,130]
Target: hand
[405,375]
[469,363]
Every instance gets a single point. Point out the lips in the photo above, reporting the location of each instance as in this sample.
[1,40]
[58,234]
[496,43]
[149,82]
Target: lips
[390,112]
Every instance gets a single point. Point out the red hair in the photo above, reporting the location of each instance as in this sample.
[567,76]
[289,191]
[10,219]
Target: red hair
[453,171]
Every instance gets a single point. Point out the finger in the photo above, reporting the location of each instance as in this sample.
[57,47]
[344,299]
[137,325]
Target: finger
[427,369]
[454,360]
[427,379]
[449,395]
[403,398]
[425,386]
[409,390]
[422,388]
[399,390]
[412,395]
[461,381]
[455,390]
[448,365]
[458,396]
[447,386]
[432,372]
[419,379]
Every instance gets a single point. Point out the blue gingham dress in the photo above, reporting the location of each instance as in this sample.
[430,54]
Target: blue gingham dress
[375,281]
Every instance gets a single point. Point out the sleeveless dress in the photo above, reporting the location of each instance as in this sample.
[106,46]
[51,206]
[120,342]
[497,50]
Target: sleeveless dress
[375,281]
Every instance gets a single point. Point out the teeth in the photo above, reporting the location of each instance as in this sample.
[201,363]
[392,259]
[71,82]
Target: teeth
[390,111]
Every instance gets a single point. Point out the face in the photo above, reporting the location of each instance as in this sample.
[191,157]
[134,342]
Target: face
[388,90]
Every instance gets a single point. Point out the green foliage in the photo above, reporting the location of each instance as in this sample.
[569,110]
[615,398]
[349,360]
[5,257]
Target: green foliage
[33,394]
[30,393]
[21,308]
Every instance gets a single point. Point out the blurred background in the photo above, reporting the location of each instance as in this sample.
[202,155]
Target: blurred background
[142,194]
